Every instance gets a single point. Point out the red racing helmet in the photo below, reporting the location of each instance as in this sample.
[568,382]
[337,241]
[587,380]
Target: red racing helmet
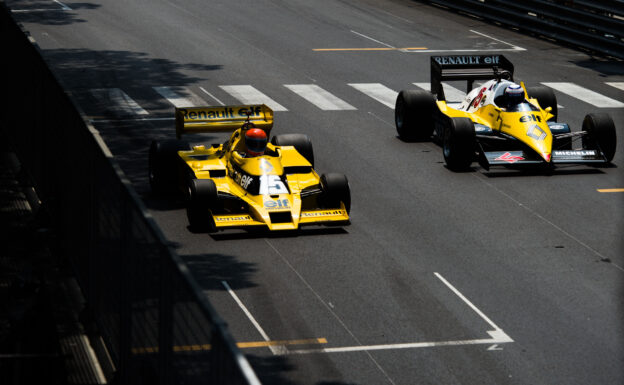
[255,141]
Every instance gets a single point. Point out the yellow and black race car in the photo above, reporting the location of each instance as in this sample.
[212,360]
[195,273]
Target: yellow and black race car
[227,188]
[499,122]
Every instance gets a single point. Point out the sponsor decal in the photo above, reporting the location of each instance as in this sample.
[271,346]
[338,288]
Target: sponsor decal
[466,60]
[272,185]
[536,132]
[509,158]
[574,153]
[277,204]
[219,113]
[322,213]
[243,180]
[233,219]
[478,98]
[530,118]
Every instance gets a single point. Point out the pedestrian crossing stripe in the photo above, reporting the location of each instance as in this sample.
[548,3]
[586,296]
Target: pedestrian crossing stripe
[122,105]
[377,91]
[619,85]
[584,94]
[180,96]
[118,101]
[319,97]
[247,94]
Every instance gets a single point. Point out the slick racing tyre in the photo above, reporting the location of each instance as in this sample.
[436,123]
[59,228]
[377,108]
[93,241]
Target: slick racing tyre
[300,142]
[545,97]
[458,144]
[335,190]
[600,132]
[163,163]
[413,115]
[202,197]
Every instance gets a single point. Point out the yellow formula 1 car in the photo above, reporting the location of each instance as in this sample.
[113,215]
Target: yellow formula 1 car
[227,188]
[498,122]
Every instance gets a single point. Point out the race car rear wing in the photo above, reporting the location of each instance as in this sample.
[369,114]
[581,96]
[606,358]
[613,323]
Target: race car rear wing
[469,68]
[191,120]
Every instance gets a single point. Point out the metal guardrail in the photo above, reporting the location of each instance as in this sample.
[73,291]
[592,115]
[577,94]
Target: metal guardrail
[596,25]
[157,325]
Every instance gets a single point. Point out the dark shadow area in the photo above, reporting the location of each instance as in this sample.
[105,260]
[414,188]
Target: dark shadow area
[210,269]
[229,235]
[507,173]
[48,12]
[270,369]
[87,69]
[606,67]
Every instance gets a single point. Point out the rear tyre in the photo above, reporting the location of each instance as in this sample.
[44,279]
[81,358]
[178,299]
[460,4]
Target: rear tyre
[458,144]
[545,97]
[413,115]
[163,163]
[300,142]
[600,132]
[202,198]
[335,190]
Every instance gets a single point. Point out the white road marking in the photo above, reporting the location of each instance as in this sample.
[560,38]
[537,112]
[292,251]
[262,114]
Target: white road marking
[63,6]
[497,335]
[514,47]
[118,101]
[212,96]
[619,85]
[175,96]
[452,94]
[370,38]
[470,304]
[584,94]
[247,94]
[274,349]
[319,97]
[330,310]
[377,91]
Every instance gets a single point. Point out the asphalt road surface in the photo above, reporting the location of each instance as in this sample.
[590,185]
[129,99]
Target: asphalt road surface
[489,277]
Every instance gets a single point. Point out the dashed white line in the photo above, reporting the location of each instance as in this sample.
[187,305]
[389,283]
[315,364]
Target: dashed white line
[377,91]
[212,96]
[247,94]
[319,97]
[370,38]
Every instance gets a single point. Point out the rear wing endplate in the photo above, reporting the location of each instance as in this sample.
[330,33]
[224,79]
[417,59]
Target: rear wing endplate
[469,68]
[191,120]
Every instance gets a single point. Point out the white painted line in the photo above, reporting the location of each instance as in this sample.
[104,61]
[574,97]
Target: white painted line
[497,335]
[585,95]
[463,298]
[377,91]
[411,345]
[370,38]
[461,50]
[212,96]
[120,102]
[453,95]
[319,97]
[247,94]
[63,6]
[514,47]
[619,85]
[179,96]
[274,349]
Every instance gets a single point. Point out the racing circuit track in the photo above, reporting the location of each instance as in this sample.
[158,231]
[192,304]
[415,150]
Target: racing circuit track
[499,277]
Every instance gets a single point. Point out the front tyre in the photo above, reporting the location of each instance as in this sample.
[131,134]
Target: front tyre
[202,198]
[600,132]
[300,142]
[545,97]
[413,115]
[458,144]
[163,162]
[335,190]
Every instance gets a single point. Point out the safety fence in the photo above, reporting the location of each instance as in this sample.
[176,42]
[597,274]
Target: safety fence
[156,324]
[595,25]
